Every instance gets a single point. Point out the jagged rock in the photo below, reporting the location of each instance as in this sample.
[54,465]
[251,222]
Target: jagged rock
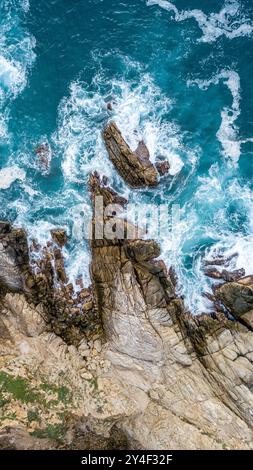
[152,340]
[228,276]
[5,227]
[59,236]
[213,273]
[246,281]
[142,151]
[59,266]
[236,297]
[43,152]
[140,250]
[220,260]
[163,168]
[134,167]
[14,258]
[247,319]
[99,188]
[231,276]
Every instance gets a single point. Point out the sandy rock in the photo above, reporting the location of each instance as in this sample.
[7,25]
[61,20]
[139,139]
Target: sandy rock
[98,345]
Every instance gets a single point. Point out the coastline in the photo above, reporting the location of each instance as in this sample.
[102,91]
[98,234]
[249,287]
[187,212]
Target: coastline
[133,362]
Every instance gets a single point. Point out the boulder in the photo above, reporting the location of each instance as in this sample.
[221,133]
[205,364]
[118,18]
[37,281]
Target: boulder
[236,297]
[228,276]
[142,250]
[14,258]
[5,227]
[59,236]
[135,167]
[163,168]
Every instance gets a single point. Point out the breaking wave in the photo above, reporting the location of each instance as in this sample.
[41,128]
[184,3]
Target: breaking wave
[230,21]
[16,56]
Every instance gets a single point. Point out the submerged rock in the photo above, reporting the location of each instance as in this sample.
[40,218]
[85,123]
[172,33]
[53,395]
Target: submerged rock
[43,152]
[135,167]
[163,168]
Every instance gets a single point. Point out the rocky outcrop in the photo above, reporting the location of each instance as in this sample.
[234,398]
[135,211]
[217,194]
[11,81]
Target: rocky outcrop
[39,273]
[163,167]
[14,259]
[59,236]
[237,297]
[135,167]
[196,371]
[156,376]
[228,276]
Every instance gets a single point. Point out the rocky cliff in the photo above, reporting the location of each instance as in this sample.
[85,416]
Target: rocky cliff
[149,375]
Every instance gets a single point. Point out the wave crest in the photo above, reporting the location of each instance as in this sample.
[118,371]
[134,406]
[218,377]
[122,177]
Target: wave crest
[213,25]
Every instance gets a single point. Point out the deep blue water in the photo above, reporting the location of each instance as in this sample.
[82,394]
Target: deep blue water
[180,76]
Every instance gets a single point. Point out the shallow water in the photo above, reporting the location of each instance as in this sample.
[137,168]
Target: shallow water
[179,77]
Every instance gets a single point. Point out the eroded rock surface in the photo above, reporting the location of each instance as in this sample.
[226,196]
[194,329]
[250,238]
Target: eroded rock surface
[134,167]
[237,297]
[14,258]
[197,372]
[164,378]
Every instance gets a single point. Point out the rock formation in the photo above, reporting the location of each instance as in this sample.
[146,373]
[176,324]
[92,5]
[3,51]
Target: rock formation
[14,258]
[44,280]
[134,167]
[153,375]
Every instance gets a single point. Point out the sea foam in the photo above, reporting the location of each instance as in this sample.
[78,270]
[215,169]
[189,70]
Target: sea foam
[139,109]
[229,21]
[228,131]
[16,56]
[207,230]
[10,174]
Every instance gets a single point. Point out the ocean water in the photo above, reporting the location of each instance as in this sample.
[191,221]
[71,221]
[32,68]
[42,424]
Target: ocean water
[179,75]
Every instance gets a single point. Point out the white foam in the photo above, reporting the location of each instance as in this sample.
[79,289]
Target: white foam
[141,111]
[25,4]
[229,21]
[79,136]
[16,57]
[29,190]
[77,264]
[228,132]
[205,221]
[3,128]
[138,110]
[12,76]
[10,174]
[241,246]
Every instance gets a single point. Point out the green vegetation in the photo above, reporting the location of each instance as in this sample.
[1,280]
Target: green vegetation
[33,415]
[52,431]
[18,387]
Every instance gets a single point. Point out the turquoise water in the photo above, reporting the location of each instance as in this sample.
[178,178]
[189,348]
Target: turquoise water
[180,77]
